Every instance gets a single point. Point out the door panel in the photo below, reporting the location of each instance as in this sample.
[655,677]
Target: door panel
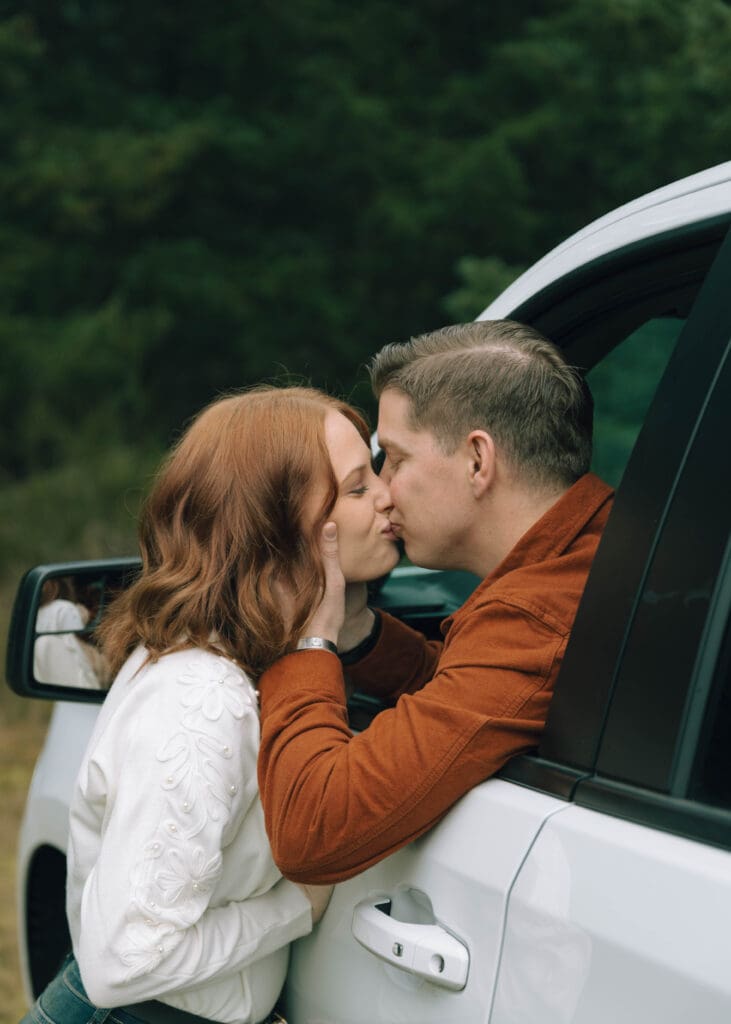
[458,877]
[610,921]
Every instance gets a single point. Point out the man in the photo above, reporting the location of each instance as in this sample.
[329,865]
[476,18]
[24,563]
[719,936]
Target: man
[487,436]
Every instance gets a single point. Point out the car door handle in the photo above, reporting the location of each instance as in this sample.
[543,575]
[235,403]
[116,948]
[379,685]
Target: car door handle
[427,950]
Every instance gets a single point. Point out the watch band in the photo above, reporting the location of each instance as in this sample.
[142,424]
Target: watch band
[315,643]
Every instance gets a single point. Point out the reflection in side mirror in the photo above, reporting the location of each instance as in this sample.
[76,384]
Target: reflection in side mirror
[53,648]
[65,651]
[61,657]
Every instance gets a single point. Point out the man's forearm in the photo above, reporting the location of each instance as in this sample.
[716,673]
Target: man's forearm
[335,803]
[399,661]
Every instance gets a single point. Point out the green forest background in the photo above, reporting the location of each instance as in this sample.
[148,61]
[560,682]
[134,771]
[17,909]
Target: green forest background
[195,197]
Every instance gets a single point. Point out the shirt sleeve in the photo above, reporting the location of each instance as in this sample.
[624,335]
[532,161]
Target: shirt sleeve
[336,803]
[176,776]
[401,661]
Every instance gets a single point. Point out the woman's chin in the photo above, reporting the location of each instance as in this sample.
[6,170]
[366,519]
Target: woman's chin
[363,576]
[372,571]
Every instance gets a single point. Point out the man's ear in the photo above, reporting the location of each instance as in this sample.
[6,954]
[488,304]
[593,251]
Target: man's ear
[481,453]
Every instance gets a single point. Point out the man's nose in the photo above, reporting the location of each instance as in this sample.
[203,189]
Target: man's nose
[382,495]
[382,468]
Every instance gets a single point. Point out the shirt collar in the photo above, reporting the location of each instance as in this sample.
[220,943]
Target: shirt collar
[552,534]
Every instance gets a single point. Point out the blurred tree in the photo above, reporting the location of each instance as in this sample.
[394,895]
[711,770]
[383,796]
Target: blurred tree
[195,197]
[602,100]
[481,282]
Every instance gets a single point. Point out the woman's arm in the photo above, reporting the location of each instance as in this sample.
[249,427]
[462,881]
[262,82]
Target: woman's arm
[174,775]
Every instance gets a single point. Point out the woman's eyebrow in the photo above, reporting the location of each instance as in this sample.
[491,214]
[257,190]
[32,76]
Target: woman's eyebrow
[353,472]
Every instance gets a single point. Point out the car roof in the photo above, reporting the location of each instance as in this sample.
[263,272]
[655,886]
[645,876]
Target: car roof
[695,199]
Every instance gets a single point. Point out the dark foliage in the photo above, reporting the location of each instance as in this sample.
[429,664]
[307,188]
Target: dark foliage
[194,196]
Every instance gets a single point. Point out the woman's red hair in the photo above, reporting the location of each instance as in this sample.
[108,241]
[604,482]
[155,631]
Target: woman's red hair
[224,523]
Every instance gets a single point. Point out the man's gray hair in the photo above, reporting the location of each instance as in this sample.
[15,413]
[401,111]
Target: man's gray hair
[502,377]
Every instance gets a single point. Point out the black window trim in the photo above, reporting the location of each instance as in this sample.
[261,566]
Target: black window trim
[715,635]
[677,815]
[659,669]
[675,810]
[549,770]
[580,705]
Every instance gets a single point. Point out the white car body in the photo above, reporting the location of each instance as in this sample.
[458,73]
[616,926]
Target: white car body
[566,913]
[699,197]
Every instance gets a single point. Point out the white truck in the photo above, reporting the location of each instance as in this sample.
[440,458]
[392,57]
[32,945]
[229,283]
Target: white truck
[591,881]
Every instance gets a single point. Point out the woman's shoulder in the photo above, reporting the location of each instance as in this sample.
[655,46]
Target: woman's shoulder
[200,662]
[185,693]
[201,681]
[181,675]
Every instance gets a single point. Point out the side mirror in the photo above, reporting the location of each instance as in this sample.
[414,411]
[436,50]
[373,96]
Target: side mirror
[52,648]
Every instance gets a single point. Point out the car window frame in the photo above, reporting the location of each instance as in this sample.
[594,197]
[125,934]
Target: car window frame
[570,745]
[652,784]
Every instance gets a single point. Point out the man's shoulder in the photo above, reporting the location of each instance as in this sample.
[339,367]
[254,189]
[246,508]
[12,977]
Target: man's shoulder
[504,606]
[545,574]
[547,591]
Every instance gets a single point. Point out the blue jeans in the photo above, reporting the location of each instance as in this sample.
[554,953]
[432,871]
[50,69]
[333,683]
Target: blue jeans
[64,1001]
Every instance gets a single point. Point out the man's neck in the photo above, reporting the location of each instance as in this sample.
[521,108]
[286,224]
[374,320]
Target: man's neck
[509,513]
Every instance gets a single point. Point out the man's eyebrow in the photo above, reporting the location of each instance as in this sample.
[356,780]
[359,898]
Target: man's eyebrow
[390,446]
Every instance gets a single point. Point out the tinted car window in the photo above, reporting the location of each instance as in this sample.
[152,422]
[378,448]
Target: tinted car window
[623,385]
[577,718]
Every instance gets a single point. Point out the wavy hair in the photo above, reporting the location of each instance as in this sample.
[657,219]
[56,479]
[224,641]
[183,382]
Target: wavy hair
[224,524]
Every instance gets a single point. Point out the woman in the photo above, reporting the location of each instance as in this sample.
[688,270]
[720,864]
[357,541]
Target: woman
[176,909]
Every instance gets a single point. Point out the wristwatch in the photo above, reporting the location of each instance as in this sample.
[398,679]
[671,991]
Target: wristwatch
[316,643]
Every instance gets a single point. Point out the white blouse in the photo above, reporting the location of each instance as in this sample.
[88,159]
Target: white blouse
[172,892]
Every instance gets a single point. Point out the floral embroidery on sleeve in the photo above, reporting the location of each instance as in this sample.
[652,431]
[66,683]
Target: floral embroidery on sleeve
[226,688]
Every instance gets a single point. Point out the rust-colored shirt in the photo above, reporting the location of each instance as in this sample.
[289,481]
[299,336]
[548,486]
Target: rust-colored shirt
[336,803]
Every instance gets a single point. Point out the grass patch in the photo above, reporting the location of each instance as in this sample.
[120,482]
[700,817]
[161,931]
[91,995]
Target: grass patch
[19,744]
